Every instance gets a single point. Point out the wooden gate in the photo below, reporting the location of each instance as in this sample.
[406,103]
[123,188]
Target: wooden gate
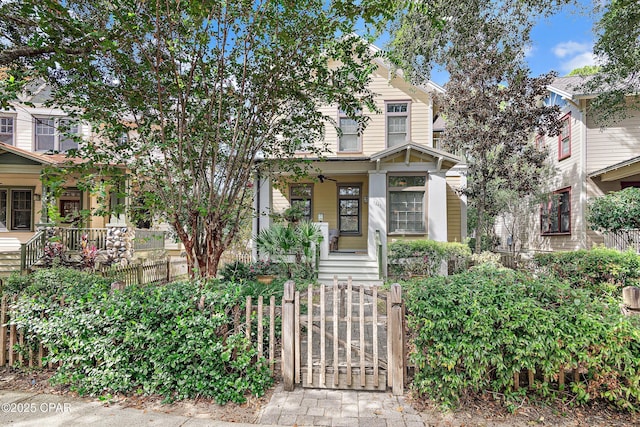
[343,336]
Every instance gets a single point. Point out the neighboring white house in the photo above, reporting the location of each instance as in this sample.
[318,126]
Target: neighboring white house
[590,161]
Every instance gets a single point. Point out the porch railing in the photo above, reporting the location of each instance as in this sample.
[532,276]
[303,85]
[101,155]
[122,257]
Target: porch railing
[148,240]
[623,240]
[32,250]
[71,238]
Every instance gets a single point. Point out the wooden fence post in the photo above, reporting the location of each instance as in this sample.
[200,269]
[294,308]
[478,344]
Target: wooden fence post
[168,269]
[396,331]
[140,274]
[288,338]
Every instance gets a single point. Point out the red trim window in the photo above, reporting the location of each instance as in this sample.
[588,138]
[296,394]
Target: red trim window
[555,213]
[564,139]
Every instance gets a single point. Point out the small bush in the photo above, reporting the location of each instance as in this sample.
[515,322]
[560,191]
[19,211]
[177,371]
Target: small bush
[473,331]
[409,258]
[61,282]
[236,271]
[604,271]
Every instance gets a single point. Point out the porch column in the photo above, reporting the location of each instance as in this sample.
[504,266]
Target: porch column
[463,207]
[378,215]
[262,209]
[437,212]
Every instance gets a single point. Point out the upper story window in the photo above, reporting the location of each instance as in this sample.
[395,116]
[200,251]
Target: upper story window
[397,115]
[301,197]
[55,134]
[564,139]
[539,141]
[555,213]
[6,130]
[349,140]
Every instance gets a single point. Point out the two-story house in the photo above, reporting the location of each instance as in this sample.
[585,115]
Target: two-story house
[589,161]
[389,182]
[34,138]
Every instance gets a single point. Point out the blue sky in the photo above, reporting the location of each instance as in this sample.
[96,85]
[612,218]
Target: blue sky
[562,43]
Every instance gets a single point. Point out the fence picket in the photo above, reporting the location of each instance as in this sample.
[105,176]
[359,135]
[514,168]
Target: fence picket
[272,332]
[323,359]
[260,331]
[3,331]
[310,335]
[296,308]
[374,309]
[349,347]
[335,331]
[362,343]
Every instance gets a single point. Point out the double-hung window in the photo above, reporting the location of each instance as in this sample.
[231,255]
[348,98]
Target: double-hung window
[301,196]
[16,209]
[55,134]
[349,209]
[564,139]
[349,140]
[407,203]
[397,123]
[7,130]
[555,213]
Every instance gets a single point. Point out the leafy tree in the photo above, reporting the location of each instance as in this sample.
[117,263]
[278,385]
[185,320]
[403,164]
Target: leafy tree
[491,105]
[587,70]
[616,211]
[618,47]
[202,89]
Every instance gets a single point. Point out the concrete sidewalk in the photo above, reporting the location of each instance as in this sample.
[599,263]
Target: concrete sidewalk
[22,409]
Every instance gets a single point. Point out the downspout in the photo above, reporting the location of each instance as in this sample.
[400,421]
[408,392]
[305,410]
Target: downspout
[583,178]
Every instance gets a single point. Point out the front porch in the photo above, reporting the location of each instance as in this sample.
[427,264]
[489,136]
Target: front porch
[361,204]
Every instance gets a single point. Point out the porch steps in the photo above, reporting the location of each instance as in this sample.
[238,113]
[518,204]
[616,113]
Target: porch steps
[9,262]
[361,268]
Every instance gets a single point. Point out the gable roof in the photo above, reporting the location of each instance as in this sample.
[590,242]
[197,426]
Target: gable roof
[57,159]
[409,147]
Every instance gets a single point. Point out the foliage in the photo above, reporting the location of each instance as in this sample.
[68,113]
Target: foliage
[54,254]
[291,246]
[48,283]
[618,48]
[265,267]
[616,211]
[236,271]
[486,257]
[425,257]
[587,70]
[473,331]
[88,253]
[202,95]
[603,271]
[491,105]
[176,340]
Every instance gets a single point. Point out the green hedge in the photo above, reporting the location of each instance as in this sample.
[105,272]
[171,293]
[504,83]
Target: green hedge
[471,332]
[604,271]
[152,340]
[409,258]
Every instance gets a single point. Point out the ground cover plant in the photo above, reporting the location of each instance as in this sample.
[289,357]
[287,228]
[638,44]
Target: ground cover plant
[175,340]
[472,331]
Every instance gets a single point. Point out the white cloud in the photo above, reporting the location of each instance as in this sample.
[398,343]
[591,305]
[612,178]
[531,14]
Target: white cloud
[571,49]
[529,50]
[578,61]
[574,55]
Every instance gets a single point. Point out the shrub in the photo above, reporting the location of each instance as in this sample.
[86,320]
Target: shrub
[153,340]
[604,271]
[236,271]
[473,331]
[61,282]
[409,258]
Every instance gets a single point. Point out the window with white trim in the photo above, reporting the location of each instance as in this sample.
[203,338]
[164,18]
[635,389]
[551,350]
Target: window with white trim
[407,203]
[397,123]
[349,140]
[7,130]
[55,134]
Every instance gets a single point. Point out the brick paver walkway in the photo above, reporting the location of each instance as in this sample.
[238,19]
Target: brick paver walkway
[316,407]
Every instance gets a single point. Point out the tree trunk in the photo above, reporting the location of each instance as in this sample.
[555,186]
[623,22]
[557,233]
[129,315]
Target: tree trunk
[480,226]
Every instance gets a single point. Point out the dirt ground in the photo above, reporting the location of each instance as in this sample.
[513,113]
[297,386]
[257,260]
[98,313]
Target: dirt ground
[473,412]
